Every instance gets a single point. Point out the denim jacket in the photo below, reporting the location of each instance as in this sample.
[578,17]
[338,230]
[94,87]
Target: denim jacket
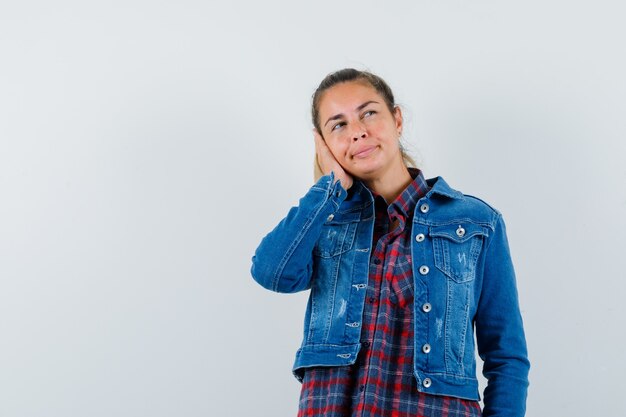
[464,282]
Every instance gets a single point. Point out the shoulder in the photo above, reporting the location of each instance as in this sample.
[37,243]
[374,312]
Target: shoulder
[454,205]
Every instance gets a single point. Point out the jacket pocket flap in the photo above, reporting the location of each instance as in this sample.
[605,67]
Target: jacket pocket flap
[459,232]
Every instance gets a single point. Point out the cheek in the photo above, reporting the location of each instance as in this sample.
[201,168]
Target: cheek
[387,135]
[378,130]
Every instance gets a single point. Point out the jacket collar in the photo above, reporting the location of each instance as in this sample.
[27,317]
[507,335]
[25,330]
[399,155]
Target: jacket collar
[360,193]
[439,186]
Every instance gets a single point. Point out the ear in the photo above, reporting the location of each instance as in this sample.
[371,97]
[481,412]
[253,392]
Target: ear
[397,115]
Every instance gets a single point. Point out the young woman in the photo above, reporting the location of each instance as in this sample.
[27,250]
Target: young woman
[403,271]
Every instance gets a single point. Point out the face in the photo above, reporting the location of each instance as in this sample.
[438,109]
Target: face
[359,129]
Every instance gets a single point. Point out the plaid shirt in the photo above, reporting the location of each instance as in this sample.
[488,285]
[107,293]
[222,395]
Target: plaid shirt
[381,382]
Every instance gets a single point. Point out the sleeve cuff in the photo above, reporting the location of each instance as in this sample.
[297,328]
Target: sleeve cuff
[334,189]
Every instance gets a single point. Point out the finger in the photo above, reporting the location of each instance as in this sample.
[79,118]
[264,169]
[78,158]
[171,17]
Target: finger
[318,138]
[320,145]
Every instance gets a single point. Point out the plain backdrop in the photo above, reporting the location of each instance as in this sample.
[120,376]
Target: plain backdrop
[147,147]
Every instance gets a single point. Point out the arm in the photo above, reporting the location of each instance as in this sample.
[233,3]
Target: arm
[283,262]
[500,333]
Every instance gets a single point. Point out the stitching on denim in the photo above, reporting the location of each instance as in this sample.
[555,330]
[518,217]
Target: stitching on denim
[446,334]
[464,331]
[332,297]
[291,249]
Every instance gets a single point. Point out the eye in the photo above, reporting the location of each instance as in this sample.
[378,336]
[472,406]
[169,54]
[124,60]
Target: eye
[369,113]
[338,125]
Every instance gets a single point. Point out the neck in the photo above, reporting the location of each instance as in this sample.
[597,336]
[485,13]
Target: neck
[391,184]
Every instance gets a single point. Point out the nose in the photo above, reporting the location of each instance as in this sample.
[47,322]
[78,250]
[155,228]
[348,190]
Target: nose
[359,132]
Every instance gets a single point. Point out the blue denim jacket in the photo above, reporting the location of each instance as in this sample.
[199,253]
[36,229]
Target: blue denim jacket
[463,276]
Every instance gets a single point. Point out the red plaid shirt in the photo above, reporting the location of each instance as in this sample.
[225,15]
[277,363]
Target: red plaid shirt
[381,382]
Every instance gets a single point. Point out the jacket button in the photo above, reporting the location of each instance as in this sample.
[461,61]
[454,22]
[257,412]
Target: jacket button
[424,270]
[424,208]
[426,348]
[329,218]
[420,237]
[427,307]
[460,232]
[427,383]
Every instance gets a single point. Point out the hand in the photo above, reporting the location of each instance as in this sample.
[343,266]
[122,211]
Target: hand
[327,162]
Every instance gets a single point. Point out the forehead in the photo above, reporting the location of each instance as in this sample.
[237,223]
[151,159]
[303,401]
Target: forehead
[346,97]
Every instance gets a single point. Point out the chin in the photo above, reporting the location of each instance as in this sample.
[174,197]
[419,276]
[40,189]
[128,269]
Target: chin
[365,174]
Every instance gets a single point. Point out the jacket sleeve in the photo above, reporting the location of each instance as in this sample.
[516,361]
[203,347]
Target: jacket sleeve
[500,333]
[283,262]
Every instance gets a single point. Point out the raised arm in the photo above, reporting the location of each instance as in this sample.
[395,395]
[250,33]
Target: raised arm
[283,262]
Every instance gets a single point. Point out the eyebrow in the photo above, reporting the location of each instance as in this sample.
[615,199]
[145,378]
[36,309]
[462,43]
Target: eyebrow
[359,108]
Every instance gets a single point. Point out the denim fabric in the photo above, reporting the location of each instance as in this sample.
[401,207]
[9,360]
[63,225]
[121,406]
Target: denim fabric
[463,277]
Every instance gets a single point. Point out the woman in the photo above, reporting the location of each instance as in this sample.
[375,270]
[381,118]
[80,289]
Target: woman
[402,272]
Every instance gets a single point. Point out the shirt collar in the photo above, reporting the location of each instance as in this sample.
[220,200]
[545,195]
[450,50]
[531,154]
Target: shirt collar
[405,203]
[359,193]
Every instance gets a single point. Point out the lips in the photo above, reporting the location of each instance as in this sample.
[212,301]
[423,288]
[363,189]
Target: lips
[364,152]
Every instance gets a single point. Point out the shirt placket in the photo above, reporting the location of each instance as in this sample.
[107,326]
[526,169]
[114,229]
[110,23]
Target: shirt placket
[378,298]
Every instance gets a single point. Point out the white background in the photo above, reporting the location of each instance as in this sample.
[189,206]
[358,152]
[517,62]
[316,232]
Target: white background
[147,147]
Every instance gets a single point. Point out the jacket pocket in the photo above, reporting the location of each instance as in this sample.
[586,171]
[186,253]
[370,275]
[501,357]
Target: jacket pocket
[456,249]
[337,235]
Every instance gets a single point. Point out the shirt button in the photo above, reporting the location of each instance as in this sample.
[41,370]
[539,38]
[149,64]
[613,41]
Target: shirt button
[376,261]
[372,300]
[460,232]
[426,348]
[329,218]
[424,208]
[427,307]
[362,388]
[424,270]
[366,344]
[427,383]
[420,237]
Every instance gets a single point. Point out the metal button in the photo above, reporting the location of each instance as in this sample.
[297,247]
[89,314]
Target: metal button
[424,208]
[427,383]
[427,307]
[329,218]
[426,348]
[419,237]
[424,270]
[460,232]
